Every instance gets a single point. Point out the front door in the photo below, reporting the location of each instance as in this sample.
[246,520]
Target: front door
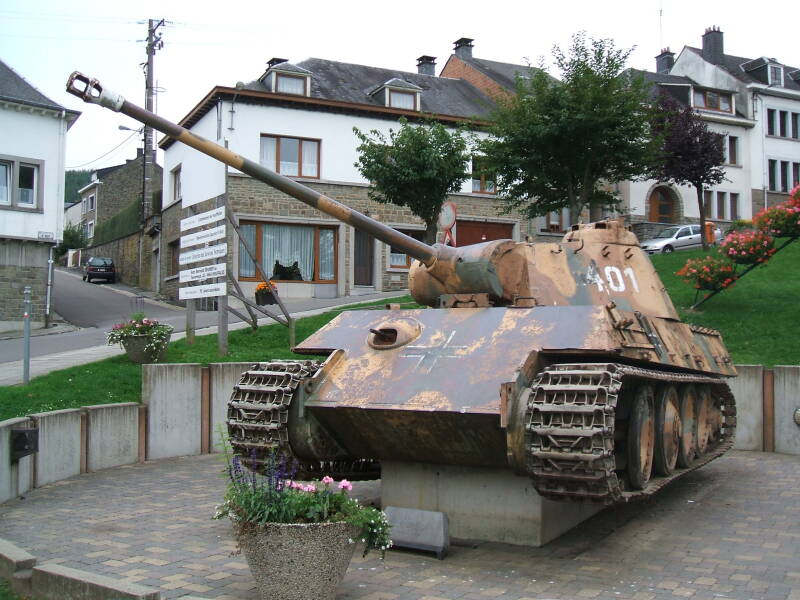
[363,259]
[475,232]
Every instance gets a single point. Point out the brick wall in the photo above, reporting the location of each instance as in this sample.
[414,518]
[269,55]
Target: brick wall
[123,186]
[458,69]
[21,264]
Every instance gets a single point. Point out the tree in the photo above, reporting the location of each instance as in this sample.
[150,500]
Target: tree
[73,181]
[73,238]
[690,154]
[416,167]
[554,143]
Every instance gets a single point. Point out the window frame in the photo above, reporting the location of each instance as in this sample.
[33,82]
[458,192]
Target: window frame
[14,163]
[772,121]
[174,251]
[772,175]
[177,188]
[277,137]
[483,175]
[733,150]
[393,91]
[279,75]
[705,95]
[259,251]
[407,265]
[90,230]
[773,70]
[733,205]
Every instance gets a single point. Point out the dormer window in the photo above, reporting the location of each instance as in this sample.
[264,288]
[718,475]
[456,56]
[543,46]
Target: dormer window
[711,100]
[398,93]
[282,77]
[775,75]
[406,100]
[290,84]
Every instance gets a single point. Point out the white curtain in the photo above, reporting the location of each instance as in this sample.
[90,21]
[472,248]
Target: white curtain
[27,184]
[289,251]
[310,151]
[291,85]
[5,178]
[247,266]
[290,156]
[268,152]
[326,254]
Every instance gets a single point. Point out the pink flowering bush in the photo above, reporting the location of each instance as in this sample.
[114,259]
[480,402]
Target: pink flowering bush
[748,247]
[157,333]
[782,220]
[708,273]
[268,493]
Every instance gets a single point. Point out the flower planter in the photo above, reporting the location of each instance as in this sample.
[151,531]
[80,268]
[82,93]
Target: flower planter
[297,561]
[136,348]
[265,297]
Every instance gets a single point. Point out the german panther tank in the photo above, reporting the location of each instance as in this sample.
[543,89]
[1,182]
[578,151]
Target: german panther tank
[565,361]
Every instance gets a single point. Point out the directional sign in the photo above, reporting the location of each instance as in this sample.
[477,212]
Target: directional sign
[207,235]
[194,256]
[203,291]
[206,218]
[200,273]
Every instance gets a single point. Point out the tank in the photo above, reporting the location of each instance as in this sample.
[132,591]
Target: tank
[566,362]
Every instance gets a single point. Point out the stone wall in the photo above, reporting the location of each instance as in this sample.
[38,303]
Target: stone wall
[125,253]
[22,263]
[123,186]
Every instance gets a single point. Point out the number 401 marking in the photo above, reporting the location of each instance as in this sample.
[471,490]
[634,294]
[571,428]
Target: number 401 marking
[615,279]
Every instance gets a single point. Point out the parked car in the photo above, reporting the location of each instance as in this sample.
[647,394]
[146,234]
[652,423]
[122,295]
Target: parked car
[679,237]
[99,267]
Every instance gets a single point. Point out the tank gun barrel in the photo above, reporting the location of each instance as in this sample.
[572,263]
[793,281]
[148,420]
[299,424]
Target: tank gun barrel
[91,91]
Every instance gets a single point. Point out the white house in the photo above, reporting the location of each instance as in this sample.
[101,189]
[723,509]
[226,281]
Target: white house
[32,151]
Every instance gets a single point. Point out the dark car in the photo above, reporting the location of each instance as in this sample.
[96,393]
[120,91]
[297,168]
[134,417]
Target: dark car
[99,267]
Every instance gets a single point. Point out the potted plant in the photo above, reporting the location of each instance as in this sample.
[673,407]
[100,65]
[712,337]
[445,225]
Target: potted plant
[266,292]
[144,340]
[298,538]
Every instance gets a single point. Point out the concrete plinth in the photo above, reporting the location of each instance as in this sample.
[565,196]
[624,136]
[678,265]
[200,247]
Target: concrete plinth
[481,503]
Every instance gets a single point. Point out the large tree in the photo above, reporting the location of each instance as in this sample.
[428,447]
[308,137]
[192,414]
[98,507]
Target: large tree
[555,143]
[417,166]
[690,154]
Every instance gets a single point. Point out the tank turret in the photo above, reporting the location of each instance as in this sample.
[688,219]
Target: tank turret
[564,362]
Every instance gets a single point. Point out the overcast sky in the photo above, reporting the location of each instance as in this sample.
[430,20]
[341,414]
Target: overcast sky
[220,43]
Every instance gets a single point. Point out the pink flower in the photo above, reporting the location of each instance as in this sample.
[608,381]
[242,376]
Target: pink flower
[310,488]
[327,480]
[345,485]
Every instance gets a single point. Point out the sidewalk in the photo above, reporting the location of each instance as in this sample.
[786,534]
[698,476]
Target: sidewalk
[11,372]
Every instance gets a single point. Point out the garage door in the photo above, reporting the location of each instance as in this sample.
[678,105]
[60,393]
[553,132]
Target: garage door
[475,232]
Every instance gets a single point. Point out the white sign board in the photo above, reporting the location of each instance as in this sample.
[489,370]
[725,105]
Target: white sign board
[209,253]
[203,291]
[201,237]
[200,273]
[206,218]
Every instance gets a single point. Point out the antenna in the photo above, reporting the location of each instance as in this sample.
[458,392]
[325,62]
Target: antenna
[661,24]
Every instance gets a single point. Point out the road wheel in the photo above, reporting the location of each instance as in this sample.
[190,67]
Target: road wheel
[688,446]
[667,249]
[641,434]
[88,279]
[703,414]
[667,430]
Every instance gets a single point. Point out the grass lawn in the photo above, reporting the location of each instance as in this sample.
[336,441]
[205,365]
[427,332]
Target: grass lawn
[119,380]
[757,316]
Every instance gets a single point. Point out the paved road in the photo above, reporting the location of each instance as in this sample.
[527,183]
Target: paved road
[728,530]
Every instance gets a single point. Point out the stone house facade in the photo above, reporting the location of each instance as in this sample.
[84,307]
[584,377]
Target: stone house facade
[32,154]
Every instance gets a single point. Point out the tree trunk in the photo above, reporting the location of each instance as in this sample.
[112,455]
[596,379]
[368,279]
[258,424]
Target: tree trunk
[701,206]
[430,231]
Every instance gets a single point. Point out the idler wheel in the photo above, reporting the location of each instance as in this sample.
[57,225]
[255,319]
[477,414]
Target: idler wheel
[687,449]
[704,412]
[667,430]
[641,437]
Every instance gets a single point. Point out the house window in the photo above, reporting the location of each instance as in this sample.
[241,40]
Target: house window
[398,259]
[406,100]
[734,205]
[713,100]
[174,252]
[289,252]
[482,177]
[795,174]
[290,84]
[772,171]
[5,182]
[720,205]
[795,127]
[775,75]
[733,150]
[294,157]
[783,123]
[784,176]
[90,229]
[177,195]
[553,222]
[20,183]
[708,198]
[91,202]
[771,121]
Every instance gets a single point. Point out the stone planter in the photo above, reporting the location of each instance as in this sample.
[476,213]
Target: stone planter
[135,348]
[297,561]
[265,297]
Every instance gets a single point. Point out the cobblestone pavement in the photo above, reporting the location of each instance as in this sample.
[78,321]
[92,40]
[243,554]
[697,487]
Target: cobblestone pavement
[729,530]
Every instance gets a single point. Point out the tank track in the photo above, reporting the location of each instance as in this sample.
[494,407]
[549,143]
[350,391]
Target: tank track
[258,416]
[570,430]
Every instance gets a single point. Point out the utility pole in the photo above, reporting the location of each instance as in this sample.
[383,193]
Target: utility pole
[154,44]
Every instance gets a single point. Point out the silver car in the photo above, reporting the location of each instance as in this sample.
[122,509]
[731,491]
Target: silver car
[679,237]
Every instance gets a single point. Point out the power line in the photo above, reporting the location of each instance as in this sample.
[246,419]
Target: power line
[125,141]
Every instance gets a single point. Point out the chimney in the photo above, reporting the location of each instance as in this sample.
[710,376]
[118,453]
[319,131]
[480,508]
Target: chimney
[276,61]
[712,45]
[665,61]
[426,65]
[463,48]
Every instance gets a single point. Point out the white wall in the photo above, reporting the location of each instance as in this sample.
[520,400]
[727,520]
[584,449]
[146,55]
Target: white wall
[766,147]
[38,135]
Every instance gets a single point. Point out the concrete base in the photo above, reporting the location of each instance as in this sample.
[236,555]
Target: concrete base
[481,503]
